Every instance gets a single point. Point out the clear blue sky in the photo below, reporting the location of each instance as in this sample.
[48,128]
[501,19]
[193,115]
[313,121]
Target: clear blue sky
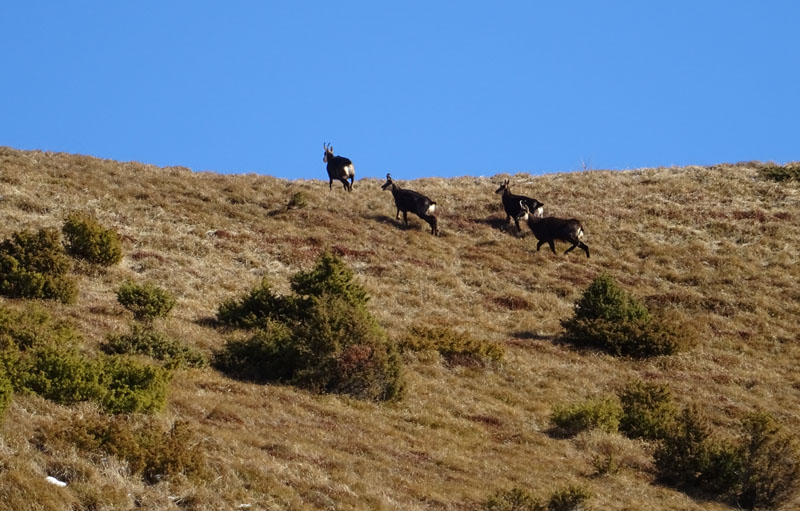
[413,88]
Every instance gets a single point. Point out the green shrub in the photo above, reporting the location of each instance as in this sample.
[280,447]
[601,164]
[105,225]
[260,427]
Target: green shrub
[608,319]
[341,349]
[87,239]
[760,470]
[789,172]
[120,385]
[268,355]
[61,375]
[684,455]
[603,413]
[34,265]
[34,327]
[145,301]
[261,306]
[42,356]
[647,410]
[770,463]
[457,348]
[322,338]
[515,499]
[604,299]
[146,340]
[131,386]
[148,448]
[571,498]
[338,348]
[257,309]
[330,276]
[690,456]
[6,391]
[299,200]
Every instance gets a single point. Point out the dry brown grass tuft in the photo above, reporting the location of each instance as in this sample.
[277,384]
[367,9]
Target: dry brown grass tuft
[716,247]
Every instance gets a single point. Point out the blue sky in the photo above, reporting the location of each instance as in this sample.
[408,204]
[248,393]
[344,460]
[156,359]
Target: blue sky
[417,89]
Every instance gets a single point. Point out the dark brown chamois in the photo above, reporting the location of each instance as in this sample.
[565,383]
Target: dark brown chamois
[339,167]
[409,200]
[511,203]
[550,228]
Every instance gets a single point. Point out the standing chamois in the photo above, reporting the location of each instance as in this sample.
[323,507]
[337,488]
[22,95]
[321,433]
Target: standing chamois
[339,167]
[511,204]
[409,200]
[549,229]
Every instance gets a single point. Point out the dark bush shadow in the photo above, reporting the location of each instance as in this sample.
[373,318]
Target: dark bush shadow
[557,433]
[383,219]
[208,321]
[499,224]
[535,337]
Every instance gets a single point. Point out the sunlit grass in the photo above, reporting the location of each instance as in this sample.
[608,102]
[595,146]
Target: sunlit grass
[716,247]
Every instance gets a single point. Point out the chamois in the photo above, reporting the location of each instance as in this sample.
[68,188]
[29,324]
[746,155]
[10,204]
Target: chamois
[339,167]
[550,228]
[511,203]
[409,200]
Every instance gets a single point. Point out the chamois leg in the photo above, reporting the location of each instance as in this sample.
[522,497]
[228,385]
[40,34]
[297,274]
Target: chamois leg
[350,188]
[432,221]
[405,218]
[539,245]
[585,248]
[570,249]
[330,184]
[552,245]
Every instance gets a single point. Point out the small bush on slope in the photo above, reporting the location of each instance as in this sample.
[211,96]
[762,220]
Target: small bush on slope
[120,384]
[457,348]
[146,340]
[330,276]
[43,356]
[647,410]
[6,391]
[608,319]
[146,301]
[257,308]
[322,338]
[342,349]
[515,499]
[789,172]
[87,239]
[571,498]
[760,470]
[34,265]
[603,413]
[149,448]
[129,385]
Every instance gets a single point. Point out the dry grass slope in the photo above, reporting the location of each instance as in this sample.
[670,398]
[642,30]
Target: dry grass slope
[716,246]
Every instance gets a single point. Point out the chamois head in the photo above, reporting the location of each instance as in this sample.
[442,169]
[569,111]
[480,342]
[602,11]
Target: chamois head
[388,183]
[328,152]
[503,187]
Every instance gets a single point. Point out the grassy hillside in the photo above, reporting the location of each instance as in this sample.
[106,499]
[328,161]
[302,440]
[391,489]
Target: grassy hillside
[717,247]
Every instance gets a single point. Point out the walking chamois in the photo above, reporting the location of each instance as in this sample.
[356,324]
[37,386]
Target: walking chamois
[409,200]
[551,228]
[511,204]
[339,167]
